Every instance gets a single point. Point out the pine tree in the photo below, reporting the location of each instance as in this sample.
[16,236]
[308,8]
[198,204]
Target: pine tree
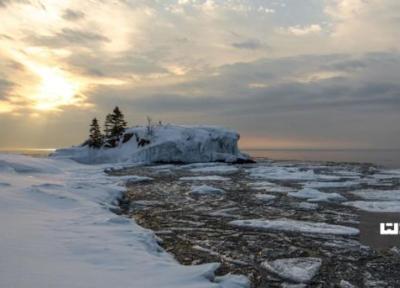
[118,123]
[95,137]
[108,126]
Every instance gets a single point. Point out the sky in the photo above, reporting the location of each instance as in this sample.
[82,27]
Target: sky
[284,73]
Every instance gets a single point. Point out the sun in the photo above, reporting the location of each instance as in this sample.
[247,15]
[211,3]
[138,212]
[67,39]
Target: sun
[55,89]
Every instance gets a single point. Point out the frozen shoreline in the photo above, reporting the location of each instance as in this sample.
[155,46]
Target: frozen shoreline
[59,232]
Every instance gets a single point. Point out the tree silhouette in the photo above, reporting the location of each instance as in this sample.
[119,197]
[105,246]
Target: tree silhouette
[95,137]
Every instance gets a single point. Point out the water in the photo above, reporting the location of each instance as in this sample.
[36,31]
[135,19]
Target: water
[35,152]
[385,158]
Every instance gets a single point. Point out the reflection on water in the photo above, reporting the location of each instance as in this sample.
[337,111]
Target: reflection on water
[35,152]
[386,158]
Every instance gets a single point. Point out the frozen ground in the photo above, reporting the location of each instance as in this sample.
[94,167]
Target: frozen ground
[58,231]
[281,224]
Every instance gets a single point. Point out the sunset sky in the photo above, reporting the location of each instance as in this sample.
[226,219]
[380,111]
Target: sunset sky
[285,74]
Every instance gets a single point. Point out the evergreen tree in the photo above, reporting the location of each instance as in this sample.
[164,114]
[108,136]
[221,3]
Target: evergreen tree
[108,126]
[118,123]
[95,137]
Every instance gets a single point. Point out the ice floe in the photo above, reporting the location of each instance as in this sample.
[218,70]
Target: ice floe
[313,195]
[379,195]
[299,270]
[206,190]
[216,169]
[265,197]
[284,224]
[375,206]
[204,178]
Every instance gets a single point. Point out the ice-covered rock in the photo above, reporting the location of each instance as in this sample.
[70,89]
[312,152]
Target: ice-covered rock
[299,270]
[313,195]
[164,144]
[289,225]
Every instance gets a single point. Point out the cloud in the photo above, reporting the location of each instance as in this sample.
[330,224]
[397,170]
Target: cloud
[73,15]
[251,44]
[69,37]
[304,30]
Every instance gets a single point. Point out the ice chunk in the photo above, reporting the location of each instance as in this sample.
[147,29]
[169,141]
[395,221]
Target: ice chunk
[375,206]
[300,270]
[206,190]
[313,195]
[204,178]
[284,224]
[216,169]
[287,173]
[379,195]
[165,144]
[341,184]
[265,197]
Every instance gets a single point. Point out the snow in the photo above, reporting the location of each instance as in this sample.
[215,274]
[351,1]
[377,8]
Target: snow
[216,169]
[376,206]
[58,231]
[299,270]
[204,178]
[284,224]
[206,190]
[167,144]
[313,195]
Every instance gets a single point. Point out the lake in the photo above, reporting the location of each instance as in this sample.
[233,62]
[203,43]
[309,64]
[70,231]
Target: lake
[386,158]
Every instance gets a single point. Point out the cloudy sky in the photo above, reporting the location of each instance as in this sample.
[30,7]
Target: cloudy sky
[284,73]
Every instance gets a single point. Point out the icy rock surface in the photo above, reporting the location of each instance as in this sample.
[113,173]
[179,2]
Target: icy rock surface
[300,270]
[165,143]
[284,224]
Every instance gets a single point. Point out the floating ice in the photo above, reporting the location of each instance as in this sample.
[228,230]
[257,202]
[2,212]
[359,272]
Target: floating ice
[204,178]
[375,206]
[265,197]
[379,195]
[313,195]
[284,224]
[287,173]
[300,270]
[206,190]
[216,169]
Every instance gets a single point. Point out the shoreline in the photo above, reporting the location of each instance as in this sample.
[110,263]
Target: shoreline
[195,229]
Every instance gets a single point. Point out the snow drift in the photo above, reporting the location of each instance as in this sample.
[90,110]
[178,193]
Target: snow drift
[164,144]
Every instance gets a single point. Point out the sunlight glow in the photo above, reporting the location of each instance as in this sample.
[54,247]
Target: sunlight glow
[55,89]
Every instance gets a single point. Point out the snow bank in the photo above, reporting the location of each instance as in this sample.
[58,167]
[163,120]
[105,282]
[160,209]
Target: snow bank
[299,270]
[59,232]
[164,144]
[289,225]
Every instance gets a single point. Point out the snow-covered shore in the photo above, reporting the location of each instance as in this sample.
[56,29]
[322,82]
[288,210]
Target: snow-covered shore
[164,144]
[58,231]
